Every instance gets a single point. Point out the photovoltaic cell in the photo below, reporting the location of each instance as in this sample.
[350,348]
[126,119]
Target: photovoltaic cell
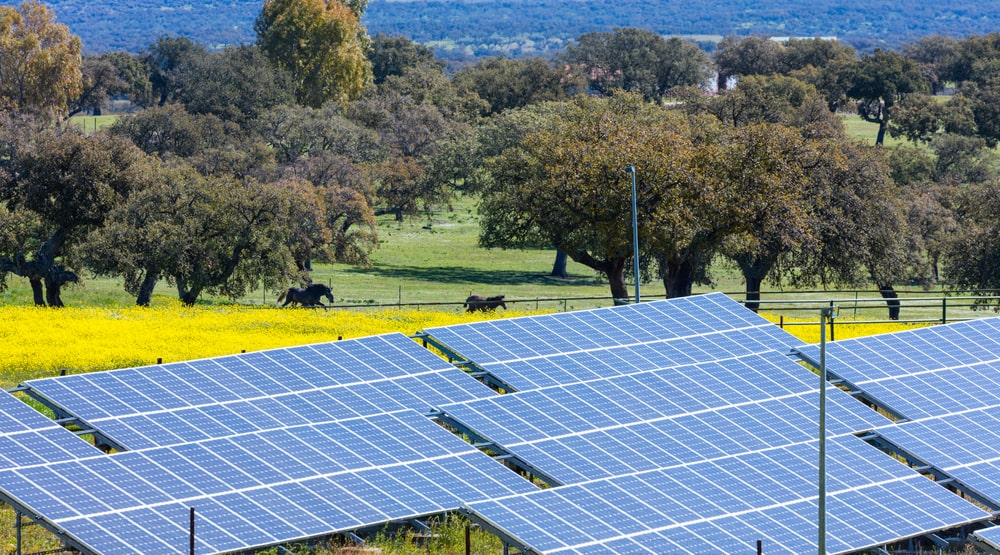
[726,505]
[540,351]
[924,372]
[260,488]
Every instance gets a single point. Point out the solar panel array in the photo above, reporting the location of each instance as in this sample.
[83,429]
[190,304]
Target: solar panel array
[679,425]
[538,351]
[27,437]
[261,488]
[140,408]
[659,419]
[726,505]
[924,372]
[963,446]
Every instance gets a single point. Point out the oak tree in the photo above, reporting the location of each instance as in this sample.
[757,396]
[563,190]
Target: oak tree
[640,61]
[320,43]
[67,184]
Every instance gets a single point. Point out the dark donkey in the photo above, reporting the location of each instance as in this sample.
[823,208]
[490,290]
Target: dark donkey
[310,296]
[478,302]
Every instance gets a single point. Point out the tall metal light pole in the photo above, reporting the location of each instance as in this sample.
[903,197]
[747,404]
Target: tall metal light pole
[635,234]
[828,312]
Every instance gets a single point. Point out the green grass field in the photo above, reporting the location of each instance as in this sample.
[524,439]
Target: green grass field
[89,124]
[866,131]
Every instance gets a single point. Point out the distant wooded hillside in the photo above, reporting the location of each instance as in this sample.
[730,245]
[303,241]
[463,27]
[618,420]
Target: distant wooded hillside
[472,28]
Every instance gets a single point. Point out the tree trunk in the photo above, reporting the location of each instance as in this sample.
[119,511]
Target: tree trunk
[891,300]
[753,293]
[754,271]
[187,295]
[559,267]
[614,269]
[52,289]
[37,290]
[883,124]
[616,278]
[145,295]
[678,277]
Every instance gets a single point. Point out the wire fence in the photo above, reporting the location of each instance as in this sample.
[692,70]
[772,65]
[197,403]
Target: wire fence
[791,308]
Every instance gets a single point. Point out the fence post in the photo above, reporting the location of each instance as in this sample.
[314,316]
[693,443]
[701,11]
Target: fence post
[832,338]
[944,310]
[191,531]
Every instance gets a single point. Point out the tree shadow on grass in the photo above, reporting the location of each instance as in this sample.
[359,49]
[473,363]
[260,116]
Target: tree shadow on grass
[453,274]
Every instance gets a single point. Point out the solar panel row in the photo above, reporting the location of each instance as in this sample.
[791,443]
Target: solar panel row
[27,437]
[726,505]
[421,392]
[116,393]
[924,372]
[605,342]
[604,429]
[660,419]
[245,489]
[990,535]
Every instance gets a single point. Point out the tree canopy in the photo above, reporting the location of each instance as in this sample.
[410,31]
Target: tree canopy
[638,60]
[39,60]
[320,43]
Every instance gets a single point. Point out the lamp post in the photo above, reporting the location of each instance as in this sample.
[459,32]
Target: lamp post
[827,312]
[635,234]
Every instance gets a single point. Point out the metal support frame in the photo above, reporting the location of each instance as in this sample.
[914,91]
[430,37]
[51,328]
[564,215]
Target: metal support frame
[506,538]
[940,476]
[835,379]
[465,364]
[938,541]
[20,511]
[483,443]
[829,312]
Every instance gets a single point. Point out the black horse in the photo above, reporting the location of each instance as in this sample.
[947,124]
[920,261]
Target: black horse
[478,302]
[310,296]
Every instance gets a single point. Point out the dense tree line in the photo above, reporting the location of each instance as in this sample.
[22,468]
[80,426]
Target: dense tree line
[461,30]
[244,166]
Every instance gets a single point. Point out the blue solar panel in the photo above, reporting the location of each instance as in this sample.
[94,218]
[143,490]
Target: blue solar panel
[726,505]
[990,535]
[539,351]
[923,372]
[27,437]
[677,416]
[961,446]
[141,408]
[266,373]
[260,488]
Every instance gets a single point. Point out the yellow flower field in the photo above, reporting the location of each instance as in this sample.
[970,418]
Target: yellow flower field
[843,328]
[37,342]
